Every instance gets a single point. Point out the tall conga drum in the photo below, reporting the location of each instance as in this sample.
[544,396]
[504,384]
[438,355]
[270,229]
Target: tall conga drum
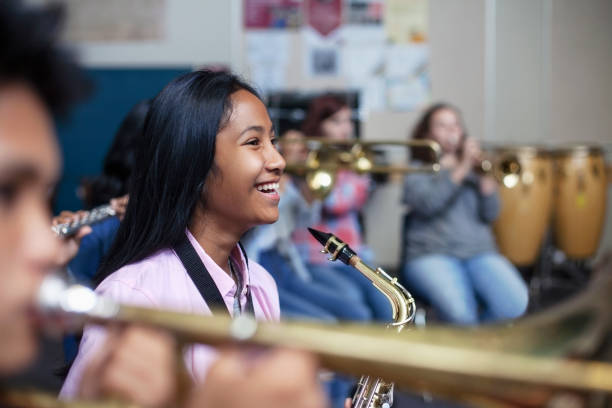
[580,203]
[526,204]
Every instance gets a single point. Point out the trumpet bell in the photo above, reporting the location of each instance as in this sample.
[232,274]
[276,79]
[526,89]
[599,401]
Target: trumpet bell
[320,182]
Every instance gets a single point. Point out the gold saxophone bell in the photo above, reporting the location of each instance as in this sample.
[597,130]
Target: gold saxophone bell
[326,157]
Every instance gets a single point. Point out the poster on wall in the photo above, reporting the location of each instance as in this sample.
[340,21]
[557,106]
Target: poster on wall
[267,57]
[377,47]
[115,20]
[321,54]
[406,21]
[324,16]
[261,14]
[364,12]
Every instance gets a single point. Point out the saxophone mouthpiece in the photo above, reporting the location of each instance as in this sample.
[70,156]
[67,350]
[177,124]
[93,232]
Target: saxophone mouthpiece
[320,236]
[333,246]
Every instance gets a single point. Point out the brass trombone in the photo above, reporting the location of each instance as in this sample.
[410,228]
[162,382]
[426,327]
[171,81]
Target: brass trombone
[327,156]
[526,362]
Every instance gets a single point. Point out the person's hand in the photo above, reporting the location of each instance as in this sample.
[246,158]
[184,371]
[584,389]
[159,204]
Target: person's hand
[136,365]
[119,204]
[69,246]
[448,161]
[274,379]
[488,185]
[472,154]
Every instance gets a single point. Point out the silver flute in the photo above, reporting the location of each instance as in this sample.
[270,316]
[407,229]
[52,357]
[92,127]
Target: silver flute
[95,215]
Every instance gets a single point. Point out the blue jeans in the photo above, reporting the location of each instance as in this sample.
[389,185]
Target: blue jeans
[457,287]
[377,303]
[317,298]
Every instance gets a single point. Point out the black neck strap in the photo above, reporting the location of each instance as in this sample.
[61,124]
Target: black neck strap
[201,277]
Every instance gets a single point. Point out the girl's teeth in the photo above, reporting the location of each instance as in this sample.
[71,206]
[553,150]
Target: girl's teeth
[268,187]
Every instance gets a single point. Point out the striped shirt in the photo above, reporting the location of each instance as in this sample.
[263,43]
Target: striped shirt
[339,216]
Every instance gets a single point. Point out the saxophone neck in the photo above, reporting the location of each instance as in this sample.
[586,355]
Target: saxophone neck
[402,302]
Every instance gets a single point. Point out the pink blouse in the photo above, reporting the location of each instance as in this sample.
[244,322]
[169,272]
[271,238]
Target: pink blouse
[161,281]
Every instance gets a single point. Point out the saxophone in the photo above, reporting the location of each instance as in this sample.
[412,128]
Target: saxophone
[372,392]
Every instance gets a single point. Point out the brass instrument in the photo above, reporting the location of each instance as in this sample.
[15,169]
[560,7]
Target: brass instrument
[505,167]
[524,363]
[327,156]
[372,392]
[93,216]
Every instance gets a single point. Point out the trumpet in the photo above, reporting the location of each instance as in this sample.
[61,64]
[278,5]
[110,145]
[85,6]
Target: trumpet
[326,157]
[505,167]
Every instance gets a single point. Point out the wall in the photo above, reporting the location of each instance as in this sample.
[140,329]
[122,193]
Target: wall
[527,71]
[581,79]
[197,33]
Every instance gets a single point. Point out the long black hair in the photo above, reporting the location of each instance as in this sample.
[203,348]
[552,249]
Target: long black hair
[120,159]
[172,164]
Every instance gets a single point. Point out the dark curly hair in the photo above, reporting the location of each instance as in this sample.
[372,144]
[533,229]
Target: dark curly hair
[30,52]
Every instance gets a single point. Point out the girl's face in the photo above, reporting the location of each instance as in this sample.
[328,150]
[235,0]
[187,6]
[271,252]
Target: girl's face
[243,187]
[445,128]
[338,126]
[293,147]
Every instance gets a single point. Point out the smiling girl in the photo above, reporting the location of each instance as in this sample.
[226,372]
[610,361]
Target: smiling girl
[208,171]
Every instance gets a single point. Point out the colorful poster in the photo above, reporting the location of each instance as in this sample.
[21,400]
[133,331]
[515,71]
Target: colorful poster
[115,20]
[324,16]
[322,54]
[272,13]
[364,12]
[406,21]
[267,57]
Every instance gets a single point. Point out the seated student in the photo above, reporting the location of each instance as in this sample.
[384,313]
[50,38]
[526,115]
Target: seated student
[300,295]
[451,257]
[330,116]
[39,79]
[209,172]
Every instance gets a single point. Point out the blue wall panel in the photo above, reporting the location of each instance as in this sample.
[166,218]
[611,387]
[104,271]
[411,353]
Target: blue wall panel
[87,134]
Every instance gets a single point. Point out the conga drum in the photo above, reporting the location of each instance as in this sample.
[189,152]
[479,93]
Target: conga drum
[526,205]
[580,204]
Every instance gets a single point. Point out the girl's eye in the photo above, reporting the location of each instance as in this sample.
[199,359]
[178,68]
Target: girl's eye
[253,142]
[275,142]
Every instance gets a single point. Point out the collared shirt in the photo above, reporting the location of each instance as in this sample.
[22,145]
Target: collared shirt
[161,281]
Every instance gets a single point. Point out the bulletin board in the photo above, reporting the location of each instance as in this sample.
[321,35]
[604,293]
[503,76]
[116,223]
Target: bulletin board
[378,48]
